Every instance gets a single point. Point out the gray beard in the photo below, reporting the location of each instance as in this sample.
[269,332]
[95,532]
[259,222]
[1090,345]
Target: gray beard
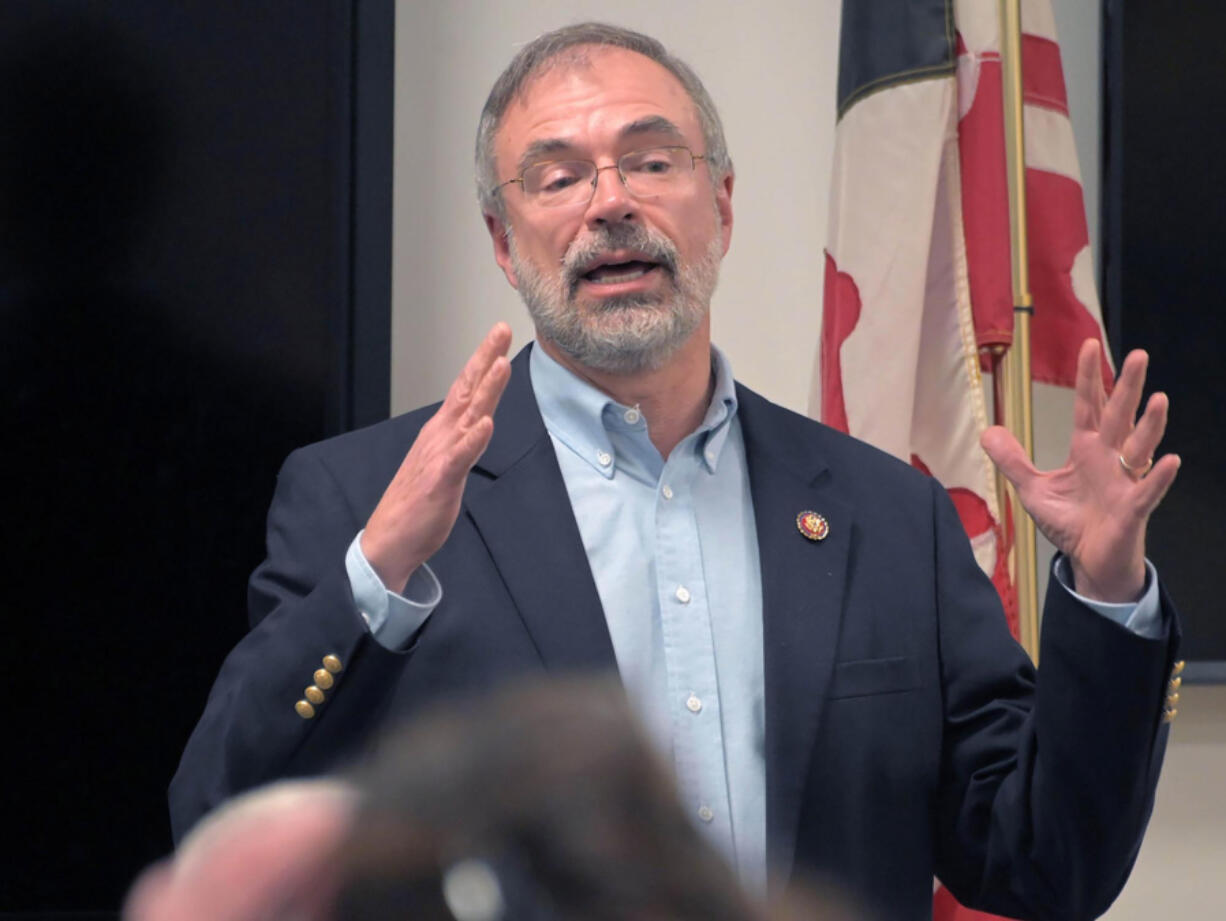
[621,335]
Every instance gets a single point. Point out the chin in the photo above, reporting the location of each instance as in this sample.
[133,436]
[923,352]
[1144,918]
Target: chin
[617,334]
[627,338]
[626,361]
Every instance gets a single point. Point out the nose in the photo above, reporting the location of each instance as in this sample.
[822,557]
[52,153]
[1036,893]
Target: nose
[611,200]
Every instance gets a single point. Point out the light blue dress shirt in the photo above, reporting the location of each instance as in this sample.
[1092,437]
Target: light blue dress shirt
[674,554]
[673,550]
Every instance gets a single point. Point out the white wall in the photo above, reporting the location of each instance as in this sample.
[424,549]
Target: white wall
[1181,872]
[771,68]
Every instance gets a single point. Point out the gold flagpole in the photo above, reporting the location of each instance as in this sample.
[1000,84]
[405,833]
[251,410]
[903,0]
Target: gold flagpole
[1014,367]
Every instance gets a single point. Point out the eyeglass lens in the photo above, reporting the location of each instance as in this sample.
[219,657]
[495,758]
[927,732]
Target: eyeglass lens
[647,173]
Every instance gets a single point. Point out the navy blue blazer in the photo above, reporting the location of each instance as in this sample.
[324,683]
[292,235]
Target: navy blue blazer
[905,732]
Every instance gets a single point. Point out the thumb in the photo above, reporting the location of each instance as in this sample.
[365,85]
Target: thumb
[1008,455]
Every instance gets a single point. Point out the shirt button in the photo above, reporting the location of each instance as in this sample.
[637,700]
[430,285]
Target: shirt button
[693,704]
[604,457]
[710,455]
[667,491]
[683,594]
[705,813]
[632,416]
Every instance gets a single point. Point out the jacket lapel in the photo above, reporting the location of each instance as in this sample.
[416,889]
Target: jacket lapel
[518,502]
[803,585]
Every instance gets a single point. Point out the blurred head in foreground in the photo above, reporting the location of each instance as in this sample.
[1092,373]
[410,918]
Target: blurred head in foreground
[542,803]
[263,856]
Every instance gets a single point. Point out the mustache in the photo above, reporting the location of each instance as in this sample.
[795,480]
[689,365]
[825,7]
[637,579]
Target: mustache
[652,244]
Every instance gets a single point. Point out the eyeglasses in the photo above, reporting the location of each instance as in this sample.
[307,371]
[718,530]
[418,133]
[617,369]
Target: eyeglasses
[647,174]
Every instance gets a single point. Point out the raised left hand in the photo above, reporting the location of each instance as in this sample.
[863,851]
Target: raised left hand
[1094,508]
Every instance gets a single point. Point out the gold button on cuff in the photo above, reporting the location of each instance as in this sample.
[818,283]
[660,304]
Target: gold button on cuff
[332,664]
[323,678]
[304,709]
[1168,715]
[1172,700]
[314,695]
[1175,684]
[1177,670]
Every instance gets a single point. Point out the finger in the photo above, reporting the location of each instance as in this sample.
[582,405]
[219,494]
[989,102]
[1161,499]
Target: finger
[470,446]
[1090,396]
[1140,446]
[494,345]
[490,390]
[1121,409]
[499,338]
[1152,487]
[1008,455]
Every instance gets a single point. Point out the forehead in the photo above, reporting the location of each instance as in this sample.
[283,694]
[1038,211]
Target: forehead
[587,100]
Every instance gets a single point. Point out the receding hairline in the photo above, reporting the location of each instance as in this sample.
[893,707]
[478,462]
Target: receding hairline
[581,57]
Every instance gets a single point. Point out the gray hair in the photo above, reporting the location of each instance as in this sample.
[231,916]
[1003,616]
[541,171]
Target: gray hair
[534,57]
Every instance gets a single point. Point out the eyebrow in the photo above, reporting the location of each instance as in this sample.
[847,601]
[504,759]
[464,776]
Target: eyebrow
[538,150]
[651,124]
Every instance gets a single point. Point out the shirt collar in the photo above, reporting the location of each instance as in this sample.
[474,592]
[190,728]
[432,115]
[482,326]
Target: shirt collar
[579,415]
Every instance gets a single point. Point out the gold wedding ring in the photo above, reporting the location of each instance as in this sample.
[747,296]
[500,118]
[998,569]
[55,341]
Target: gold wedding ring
[1138,472]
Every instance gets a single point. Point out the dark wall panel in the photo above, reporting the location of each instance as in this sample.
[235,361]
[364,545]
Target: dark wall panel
[1164,247]
[178,299]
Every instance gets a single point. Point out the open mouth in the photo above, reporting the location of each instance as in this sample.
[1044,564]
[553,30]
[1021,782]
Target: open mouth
[618,272]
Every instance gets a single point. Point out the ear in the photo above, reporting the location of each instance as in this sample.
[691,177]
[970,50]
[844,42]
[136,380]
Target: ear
[723,203]
[502,247]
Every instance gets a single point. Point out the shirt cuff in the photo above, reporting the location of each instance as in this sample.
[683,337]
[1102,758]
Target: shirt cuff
[391,618]
[1143,617]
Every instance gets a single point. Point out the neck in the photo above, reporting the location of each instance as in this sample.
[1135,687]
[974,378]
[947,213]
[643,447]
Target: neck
[673,398]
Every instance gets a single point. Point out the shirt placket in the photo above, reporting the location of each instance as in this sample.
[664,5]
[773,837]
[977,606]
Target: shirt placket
[689,650]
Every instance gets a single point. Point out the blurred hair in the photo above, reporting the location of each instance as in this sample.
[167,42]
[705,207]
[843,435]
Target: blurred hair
[541,803]
[564,45]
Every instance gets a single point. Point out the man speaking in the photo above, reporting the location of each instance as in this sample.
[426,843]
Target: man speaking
[797,617]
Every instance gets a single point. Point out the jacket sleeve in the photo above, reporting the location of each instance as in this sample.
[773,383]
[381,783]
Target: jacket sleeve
[1047,785]
[306,633]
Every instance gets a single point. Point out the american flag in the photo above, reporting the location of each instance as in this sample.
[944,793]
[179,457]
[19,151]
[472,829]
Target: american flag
[918,296]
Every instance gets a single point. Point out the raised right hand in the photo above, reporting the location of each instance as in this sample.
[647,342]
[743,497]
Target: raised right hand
[420,506]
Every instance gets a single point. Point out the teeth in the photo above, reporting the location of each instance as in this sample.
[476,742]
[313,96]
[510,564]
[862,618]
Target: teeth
[603,276]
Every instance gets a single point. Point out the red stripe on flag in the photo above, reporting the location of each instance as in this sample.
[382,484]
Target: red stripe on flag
[1042,75]
[946,908]
[972,510]
[985,209]
[976,520]
[1058,233]
[840,314]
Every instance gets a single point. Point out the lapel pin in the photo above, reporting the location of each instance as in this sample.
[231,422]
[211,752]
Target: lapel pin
[812,525]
